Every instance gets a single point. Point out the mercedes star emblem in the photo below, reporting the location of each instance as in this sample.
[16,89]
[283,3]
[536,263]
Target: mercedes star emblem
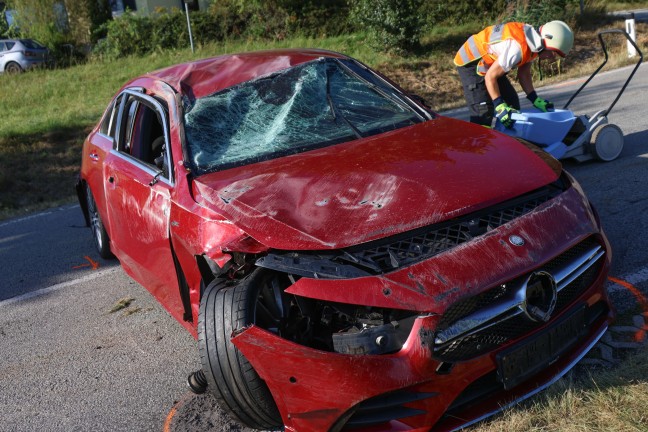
[540,296]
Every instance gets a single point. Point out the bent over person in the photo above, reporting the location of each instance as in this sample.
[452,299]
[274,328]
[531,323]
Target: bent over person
[487,57]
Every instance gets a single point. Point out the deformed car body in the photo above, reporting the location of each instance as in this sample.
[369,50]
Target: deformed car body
[347,259]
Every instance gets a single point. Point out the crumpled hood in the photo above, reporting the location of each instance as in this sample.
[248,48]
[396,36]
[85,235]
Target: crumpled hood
[374,187]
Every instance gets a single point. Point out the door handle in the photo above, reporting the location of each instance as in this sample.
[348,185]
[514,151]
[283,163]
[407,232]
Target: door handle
[94,156]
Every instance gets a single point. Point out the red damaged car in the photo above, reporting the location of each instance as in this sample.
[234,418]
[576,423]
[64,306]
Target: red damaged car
[347,259]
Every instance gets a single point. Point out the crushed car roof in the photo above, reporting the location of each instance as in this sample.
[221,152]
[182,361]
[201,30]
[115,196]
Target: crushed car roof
[203,77]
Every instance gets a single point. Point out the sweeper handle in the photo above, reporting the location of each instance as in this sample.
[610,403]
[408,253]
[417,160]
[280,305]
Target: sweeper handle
[600,36]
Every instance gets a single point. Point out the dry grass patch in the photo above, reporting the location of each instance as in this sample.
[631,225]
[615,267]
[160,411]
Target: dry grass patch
[596,400]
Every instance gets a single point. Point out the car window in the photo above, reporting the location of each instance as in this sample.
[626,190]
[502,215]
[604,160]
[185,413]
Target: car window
[32,44]
[2,46]
[130,111]
[108,123]
[312,105]
[144,136]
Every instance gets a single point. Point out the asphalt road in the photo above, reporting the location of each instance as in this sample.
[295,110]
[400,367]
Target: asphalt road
[68,363]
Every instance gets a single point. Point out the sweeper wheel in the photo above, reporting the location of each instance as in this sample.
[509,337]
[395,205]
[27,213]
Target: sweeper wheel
[607,142]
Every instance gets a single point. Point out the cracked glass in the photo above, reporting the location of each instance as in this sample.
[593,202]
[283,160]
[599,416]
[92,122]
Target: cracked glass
[312,105]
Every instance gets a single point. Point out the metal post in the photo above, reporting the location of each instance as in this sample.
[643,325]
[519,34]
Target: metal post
[189,26]
[630,29]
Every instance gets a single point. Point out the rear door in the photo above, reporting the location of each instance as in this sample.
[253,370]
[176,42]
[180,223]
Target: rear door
[3,48]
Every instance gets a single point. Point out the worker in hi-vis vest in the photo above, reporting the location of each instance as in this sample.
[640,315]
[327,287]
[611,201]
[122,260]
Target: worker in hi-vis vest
[486,57]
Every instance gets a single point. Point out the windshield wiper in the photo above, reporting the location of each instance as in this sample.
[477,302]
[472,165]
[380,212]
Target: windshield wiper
[332,105]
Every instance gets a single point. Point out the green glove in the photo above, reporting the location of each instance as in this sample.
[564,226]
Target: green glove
[543,105]
[503,113]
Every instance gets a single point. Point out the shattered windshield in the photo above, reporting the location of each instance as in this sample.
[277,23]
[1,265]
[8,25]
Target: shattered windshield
[312,105]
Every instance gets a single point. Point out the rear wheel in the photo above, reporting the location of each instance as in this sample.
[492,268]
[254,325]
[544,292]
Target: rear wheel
[99,234]
[231,377]
[13,67]
[607,142]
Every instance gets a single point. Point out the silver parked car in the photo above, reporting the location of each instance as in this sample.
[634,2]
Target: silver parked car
[17,55]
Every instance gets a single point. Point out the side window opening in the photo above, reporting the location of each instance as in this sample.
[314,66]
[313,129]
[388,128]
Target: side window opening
[108,124]
[130,110]
[144,137]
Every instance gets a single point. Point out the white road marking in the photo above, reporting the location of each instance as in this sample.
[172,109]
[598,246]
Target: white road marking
[94,275]
[37,215]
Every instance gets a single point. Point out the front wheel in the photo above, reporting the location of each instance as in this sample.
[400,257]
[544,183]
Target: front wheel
[231,378]
[99,234]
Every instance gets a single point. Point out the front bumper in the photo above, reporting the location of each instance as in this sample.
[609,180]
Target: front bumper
[410,390]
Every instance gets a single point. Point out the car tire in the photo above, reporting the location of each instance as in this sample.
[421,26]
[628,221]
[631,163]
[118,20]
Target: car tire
[231,378]
[99,234]
[13,67]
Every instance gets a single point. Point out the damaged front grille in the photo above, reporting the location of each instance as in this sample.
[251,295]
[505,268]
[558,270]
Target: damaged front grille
[490,384]
[479,324]
[386,255]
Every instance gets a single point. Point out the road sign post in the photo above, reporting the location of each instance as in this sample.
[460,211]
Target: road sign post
[630,29]
[186,3]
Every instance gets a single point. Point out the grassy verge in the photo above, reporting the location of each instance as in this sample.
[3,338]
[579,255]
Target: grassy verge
[597,400]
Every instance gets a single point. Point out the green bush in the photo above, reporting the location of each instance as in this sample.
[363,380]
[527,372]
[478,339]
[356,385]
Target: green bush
[438,12]
[278,19]
[129,34]
[538,12]
[391,24]
[132,34]
[169,30]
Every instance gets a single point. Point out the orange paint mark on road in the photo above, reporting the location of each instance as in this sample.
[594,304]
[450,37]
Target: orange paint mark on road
[167,422]
[643,302]
[174,411]
[91,263]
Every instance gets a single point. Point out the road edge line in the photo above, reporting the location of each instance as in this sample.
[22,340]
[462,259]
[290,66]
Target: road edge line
[53,288]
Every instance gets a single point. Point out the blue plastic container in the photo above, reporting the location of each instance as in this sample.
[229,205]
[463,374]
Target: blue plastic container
[547,129]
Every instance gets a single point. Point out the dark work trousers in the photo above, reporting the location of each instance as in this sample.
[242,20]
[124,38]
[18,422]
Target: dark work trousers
[479,101]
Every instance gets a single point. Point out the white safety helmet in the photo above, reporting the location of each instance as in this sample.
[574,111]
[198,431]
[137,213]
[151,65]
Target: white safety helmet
[557,36]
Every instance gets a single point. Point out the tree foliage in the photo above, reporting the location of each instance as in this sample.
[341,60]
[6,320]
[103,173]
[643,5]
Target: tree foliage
[438,12]
[391,24]
[539,12]
[43,20]
[272,19]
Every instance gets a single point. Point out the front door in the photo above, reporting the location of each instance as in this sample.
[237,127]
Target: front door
[138,190]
